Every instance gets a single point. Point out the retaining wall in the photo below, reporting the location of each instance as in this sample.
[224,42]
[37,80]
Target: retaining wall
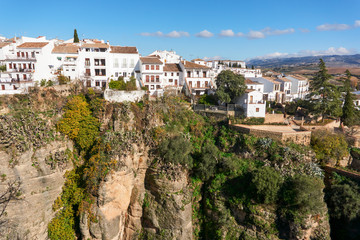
[122,96]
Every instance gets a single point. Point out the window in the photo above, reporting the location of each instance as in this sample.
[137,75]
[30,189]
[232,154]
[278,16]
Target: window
[22,54]
[165,74]
[18,54]
[103,84]
[152,67]
[204,74]
[2,87]
[157,78]
[152,87]
[177,74]
[172,74]
[158,87]
[124,63]
[157,67]
[87,61]
[257,110]
[73,69]
[152,78]
[147,78]
[197,72]
[10,66]
[116,63]
[97,83]
[33,54]
[188,74]
[116,74]
[147,67]
[132,63]
[206,84]
[59,58]
[24,76]
[170,80]
[29,66]
[124,74]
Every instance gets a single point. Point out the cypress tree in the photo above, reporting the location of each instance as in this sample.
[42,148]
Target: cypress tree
[76,38]
[348,111]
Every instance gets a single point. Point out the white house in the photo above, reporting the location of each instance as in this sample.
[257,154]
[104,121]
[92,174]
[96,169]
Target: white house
[299,87]
[65,60]
[272,89]
[167,56]
[254,85]
[197,78]
[151,75]
[123,62]
[173,76]
[252,102]
[286,89]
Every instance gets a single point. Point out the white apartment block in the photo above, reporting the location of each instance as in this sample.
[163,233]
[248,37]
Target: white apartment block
[272,89]
[197,78]
[299,87]
[167,56]
[152,75]
[173,77]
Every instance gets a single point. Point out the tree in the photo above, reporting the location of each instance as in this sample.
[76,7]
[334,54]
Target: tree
[207,163]
[63,80]
[344,201]
[304,194]
[349,117]
[76,37]
[267,183]
[176,150]
[324,96]
[229,86]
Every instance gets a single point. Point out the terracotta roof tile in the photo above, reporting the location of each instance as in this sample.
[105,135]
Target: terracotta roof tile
[66,48]
[118,49]
[172,67]
[3,44]
[33,45]
[191,65]
[151,60]
[197,59]
[95,45]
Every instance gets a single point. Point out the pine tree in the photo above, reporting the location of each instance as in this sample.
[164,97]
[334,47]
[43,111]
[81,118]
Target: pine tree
[76,38]
[324,96]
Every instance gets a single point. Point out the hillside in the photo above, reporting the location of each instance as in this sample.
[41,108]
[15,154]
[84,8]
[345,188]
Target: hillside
[348,61]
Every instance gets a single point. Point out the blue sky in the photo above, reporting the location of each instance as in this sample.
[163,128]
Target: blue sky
[249,28]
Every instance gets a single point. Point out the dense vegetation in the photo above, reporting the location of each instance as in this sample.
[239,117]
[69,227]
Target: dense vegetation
[120,84]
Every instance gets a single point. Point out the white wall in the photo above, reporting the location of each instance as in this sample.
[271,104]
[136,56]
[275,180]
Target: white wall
[122,96]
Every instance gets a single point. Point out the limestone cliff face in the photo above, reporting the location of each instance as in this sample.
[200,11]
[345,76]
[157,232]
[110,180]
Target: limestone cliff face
[40,175]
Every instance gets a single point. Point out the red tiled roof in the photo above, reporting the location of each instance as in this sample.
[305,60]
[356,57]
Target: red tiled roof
[191,65]
[151,60]
[172,67]
[3,44]
[33,45]
[118,49]
[95,45]
[66,48]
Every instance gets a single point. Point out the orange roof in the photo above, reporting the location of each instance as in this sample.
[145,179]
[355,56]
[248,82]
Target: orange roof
[172,67]
[118,49]
[297,76]
[3,44]
[95,45]
[66,48]
[197,59]
[151,60]
[191,65]
[33,45]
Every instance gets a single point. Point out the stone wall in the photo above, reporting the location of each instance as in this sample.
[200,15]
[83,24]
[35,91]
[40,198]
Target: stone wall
[122,96]
[301,137]
[274,118]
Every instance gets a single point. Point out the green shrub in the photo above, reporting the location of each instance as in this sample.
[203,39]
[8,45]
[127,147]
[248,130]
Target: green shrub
[208,99]
[303,194]
[266,182]
[206,166]
[121,85]
[176,150]
[43,82]
[329,146]
[63,80]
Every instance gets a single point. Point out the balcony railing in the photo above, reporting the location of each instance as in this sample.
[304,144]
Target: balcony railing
[20,70]
[15,57]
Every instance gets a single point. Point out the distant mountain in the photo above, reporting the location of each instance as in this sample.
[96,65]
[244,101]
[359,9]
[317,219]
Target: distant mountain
[330,60]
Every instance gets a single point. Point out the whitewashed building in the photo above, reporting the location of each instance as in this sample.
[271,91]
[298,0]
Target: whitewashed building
[197,78]
[272,89]
[124,61]
[65,60]
[173,77]
[299,87]
[151,75]
[167,56]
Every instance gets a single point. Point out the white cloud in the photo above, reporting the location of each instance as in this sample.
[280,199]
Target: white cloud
[154,34]
[173,34]
[255,35]
[176,34]
[240,34]
[227,33]
[212,58]
[333,27]
[357,23]
[303,53]
[204,34]
[269,31]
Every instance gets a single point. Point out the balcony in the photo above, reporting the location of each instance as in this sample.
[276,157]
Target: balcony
[20,70]
[16,58]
